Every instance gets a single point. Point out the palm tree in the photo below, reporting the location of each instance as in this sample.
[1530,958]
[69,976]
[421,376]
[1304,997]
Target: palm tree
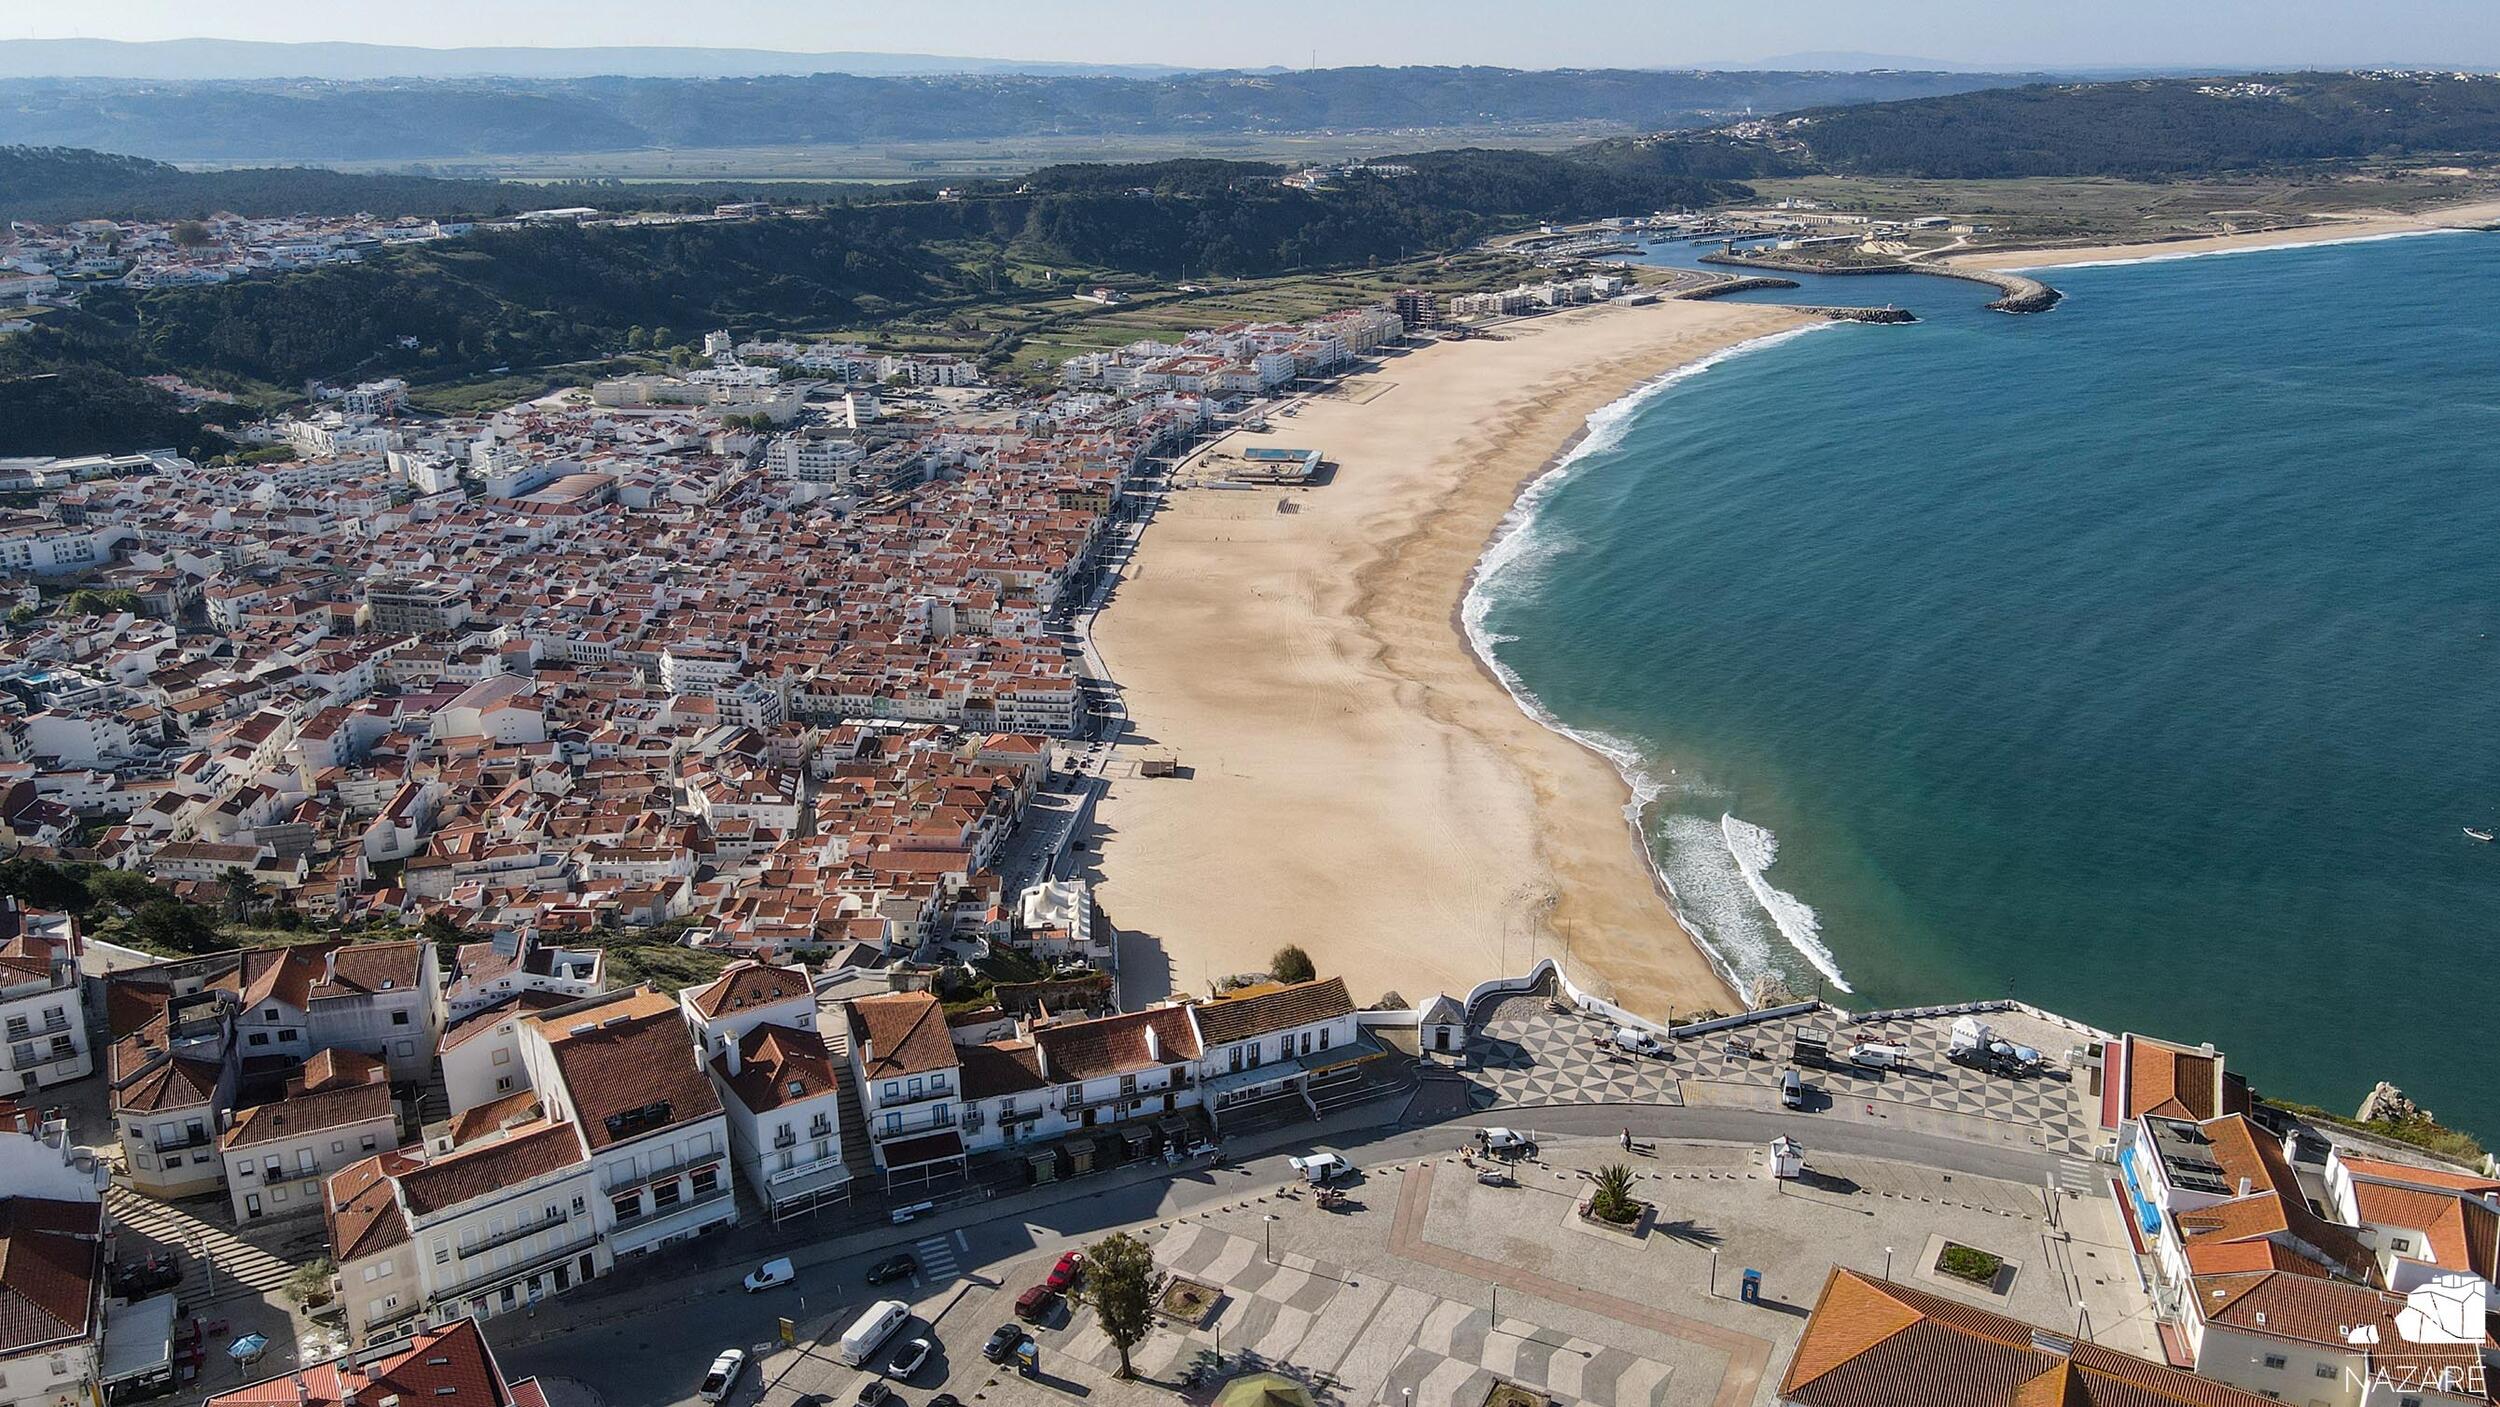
[1613,1199]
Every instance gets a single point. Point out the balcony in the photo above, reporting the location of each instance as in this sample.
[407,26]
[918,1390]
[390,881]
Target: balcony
[1139,1095]
[914,1127]
[642,1232]
[787,1138]
[619,1177]
[490,1276]
[184,1142]
[516,1234]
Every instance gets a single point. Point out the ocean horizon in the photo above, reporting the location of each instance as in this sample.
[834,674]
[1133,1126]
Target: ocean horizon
[2124,659]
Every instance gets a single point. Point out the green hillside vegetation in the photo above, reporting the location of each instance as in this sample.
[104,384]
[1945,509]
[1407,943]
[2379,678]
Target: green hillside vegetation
[53,185]
[543,296]
[2153,128]
[410,119]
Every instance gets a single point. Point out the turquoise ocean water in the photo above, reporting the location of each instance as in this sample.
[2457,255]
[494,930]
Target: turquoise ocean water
[2137,659]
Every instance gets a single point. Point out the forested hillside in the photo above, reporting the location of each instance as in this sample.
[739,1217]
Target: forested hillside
[2152,128]
[561,293]
[412,120]
[50,185]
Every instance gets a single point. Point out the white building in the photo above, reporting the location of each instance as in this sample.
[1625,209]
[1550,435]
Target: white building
[779,1087]
[43,1033]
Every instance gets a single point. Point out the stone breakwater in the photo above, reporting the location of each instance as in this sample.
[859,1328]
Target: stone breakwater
[2018,293]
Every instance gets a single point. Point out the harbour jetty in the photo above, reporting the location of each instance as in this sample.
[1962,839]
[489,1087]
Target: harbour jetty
[2017,293]
[1722,285]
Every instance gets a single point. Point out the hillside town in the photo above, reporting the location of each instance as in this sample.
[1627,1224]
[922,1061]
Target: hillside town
[781,665]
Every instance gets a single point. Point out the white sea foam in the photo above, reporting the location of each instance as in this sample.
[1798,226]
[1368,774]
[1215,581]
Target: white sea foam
[2224,253]
[1755,849]
[1517,545]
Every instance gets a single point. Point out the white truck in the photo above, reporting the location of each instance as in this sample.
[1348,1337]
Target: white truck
[1878,1055]
[1637,1042]
[1976,1046]
[1321,1168]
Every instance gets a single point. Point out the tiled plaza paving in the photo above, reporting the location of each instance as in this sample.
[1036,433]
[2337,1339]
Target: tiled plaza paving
[1360,1338]
[1526,1053]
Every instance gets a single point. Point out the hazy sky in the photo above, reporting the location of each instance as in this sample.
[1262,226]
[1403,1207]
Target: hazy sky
[1519,33]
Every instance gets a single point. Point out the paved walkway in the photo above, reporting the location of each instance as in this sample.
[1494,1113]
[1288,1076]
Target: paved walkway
[1747,1357]
[1523,1054]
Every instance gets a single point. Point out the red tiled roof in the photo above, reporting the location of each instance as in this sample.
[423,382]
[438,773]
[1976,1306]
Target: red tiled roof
[744,985]
[1266,1010]
[301,1114]
[778,1065]
[629,1066]
[466,1174]
[447,1367]
[47,1272]
[900,1034]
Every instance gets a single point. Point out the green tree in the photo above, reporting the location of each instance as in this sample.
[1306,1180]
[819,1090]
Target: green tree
[1120,1283]
[1291,964]
[126,889]
[169,925]
[40,884]
[191,234]
[239,894]
[1613,1200]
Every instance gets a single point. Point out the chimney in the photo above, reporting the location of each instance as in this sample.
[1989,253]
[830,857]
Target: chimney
[729,1054]
[303,1394]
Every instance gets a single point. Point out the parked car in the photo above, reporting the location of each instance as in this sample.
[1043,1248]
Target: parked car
[724,1374]
[1063,1276]
[1876,1055]
[1637,1042]
[874,1393]
[892,1268]
[1505,1141]
[1792,1089]
[1034,1305]
[1321,1168]
[908,1360]
[1002,1343]
[772,1274]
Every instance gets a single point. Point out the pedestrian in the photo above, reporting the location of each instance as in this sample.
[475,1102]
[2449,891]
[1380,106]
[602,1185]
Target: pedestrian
[1627,1140]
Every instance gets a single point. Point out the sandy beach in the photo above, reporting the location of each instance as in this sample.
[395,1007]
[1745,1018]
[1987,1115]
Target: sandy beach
[2359,225]
[1354,780]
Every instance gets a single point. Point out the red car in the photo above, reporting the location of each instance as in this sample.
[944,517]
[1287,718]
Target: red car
[1065,1273]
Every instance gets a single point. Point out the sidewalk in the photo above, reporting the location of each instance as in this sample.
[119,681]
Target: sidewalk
[715,1264]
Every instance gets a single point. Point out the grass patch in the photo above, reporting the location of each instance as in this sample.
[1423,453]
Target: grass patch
[1187,1300]
[1970,1263]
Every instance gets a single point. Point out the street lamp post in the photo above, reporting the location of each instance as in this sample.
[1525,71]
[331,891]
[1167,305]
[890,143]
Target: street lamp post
[1714,1272]
[1269,1231]
[1887,1262]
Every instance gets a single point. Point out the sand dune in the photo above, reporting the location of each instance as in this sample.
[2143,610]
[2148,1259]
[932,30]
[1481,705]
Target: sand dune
[1357,783]
[2358,225]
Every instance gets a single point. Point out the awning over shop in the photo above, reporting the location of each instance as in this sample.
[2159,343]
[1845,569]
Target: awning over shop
[905,1153]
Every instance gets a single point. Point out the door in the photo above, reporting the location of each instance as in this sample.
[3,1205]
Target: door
[251,1204]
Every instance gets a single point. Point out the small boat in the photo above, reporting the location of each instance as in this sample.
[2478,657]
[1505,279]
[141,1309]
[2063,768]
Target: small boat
[2473,834]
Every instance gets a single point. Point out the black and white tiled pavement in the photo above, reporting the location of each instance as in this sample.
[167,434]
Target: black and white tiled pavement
[1365,1339]
[1523,1053]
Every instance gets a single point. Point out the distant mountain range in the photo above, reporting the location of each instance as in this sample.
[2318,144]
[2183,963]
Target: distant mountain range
[415,120]
[250,59]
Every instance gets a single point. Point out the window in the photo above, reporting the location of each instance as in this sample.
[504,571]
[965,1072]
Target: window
[893,1123]
[577,1206]
[442,1251]
[798,1089]
[2326,1370]
[365,1143]
[259,1038]
[667,1194]
[503,1057]
[338,1145]
[407,1048]
[503,1084]
[706,1181]
[916,1084]
[627,1205]
[269,1015]
[399,1018]
[2399,1244]
[61,1048]
[893,1091]
[246,1170]
[2276,1360]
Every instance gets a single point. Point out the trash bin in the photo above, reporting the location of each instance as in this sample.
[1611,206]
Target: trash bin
[1752,1292]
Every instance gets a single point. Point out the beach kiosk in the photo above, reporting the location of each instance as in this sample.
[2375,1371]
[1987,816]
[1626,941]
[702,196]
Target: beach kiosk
[1788,1158]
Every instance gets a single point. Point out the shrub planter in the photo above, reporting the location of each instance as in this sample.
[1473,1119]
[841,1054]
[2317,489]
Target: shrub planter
[1503,1394]
[1969,1267]
[1189,1303]
[1642,1214]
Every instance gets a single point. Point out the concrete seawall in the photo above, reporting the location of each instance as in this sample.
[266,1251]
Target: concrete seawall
[2019,294]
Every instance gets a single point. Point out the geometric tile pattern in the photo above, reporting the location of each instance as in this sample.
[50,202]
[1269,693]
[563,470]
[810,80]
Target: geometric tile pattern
[1522,1053]
[1362,1338]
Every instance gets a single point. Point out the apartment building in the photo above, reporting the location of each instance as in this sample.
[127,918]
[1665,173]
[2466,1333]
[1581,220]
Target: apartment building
[427,1239]
[52,1298]
[277,1155]
[485,974]
[173,1071]
[755,1027]
[43,1032]
[481,1052]
[910,1084]
[621,1071]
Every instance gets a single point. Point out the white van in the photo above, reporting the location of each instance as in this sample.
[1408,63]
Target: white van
[1638,1042]
[1874,1055]
[1321,1168]
[871,1329]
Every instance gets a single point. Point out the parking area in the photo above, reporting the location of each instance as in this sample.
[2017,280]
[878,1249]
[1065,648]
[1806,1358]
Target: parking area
[1528,1051]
